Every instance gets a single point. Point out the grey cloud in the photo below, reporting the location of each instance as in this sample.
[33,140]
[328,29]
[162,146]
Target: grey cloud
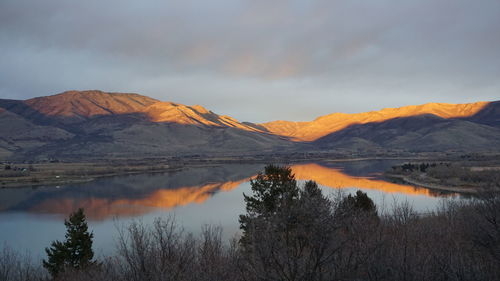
[223,52]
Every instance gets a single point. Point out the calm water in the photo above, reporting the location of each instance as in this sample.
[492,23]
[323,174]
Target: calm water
[31,218]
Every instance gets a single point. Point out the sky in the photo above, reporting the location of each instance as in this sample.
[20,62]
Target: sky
[256,60]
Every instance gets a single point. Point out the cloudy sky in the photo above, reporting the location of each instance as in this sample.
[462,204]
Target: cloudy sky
[256,60]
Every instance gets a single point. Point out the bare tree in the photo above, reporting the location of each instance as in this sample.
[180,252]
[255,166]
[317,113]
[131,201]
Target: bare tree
[16,267]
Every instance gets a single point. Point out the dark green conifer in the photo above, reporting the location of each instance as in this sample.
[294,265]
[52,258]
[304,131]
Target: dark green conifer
[360,203]
[76,252]
[270,188]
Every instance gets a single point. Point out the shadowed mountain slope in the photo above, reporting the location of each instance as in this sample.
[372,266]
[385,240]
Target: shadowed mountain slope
[416,133]
[489,115]
[111,124]
[89,124]
[18,134]
[73,107]
[324,125]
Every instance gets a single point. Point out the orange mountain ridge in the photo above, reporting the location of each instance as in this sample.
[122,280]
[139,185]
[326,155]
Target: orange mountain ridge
[87,104]
[192,115]
[324,125]
[82,105]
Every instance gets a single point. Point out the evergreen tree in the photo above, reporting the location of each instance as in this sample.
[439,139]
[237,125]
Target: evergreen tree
[76,252]
[288,232]
[361,202]
[358,206]
[270,189]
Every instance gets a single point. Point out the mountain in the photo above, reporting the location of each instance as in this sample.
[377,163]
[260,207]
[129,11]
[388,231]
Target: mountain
[325,125]
[76,106]
[416,133]
[191,115]
[96,124]
[489,115]
[18,134]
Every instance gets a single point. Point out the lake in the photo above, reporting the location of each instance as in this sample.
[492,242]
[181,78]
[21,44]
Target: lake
[30,218]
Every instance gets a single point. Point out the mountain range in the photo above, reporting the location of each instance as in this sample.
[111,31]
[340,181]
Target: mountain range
[89,124]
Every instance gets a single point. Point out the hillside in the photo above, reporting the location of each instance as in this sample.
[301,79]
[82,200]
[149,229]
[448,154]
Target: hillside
[76,106]
[91,124]
[324,125]
[96,124]
[191,115]
[19,134]
[417,133]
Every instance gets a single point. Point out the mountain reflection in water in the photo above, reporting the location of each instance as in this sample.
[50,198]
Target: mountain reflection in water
[138,195]
[103,208]
[335,178]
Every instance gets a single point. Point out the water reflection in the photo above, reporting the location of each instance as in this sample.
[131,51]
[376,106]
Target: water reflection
[103,208]
[336,178]
[142,194]
[128,195]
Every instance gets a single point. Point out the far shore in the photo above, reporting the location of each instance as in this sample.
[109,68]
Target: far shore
[55,173]
[49,177]
[432,186]
[458,176]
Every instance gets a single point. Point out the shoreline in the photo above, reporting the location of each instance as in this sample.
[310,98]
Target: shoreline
[471,190]
[28,182]
[62,173]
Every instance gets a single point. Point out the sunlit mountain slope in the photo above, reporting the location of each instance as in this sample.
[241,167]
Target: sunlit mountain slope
[83,124]
[324,125]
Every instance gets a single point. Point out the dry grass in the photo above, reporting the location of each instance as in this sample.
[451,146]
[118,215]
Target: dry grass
[20,175]
[458,176]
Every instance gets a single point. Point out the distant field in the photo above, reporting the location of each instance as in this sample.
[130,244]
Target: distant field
[470,176]
[16,175]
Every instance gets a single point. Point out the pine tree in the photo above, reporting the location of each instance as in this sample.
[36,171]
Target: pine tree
[360,202]
[270,189]
[288,232]
[76,252]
